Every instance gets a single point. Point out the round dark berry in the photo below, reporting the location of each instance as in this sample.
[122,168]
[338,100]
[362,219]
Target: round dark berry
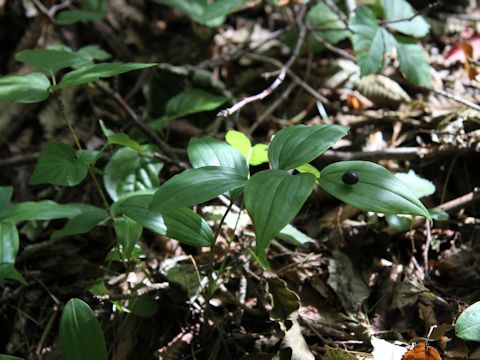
[350,177]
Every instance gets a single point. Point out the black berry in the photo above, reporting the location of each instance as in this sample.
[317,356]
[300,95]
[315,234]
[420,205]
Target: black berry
[350,177]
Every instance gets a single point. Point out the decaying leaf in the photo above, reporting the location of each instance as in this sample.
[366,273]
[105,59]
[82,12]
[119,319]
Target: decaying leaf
[383,91]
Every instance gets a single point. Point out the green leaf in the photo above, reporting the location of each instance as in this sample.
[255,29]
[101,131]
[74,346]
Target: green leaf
[239,141]
[395,10]
[143,306]
[307,168]
[88,157]
[284,300]
[52,60]
[68,17]
[94,72]
[95,52]
[196,186]
[259,155]
[128,233]
[27,88]
[467,326]
[58,165]
[8,243]
[128,171]
[320,16]
[203,11]
[81,336]
[376,190]
[8,271]
[413,61]
[42,210]
[121,139]
[8,357]
[368,40]
[190,102]
[300,144]
[272,199]
[419,186]
[181,224]
[208,151]
[82,223]
[295,236]
[6,193]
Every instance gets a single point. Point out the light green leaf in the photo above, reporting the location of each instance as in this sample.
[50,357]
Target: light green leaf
[203,11]
[94,72]
[377,189]
[181,224]
[95,52]
[8,243]
[58,165]
[320,16]
[191,101]
[128,171]
[368,40]
[272,199]
[208,151]
[259,155]
[121,139]
[82,223]
[42,210]
[27,88]
[81,336]
[295,236]
[395,10]
[467,326]
[239,141]
[52,60]
[128,233]
[418,186]
[307,168]
[196,186]
[8,357]
[300,144]
[413,61]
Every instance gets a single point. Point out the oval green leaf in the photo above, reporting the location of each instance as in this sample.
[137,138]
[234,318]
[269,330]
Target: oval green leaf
[181,224]
[195,186]
[377,190]
[467,326]
[82,223]
[81,336]
[27,88]
[272,199]
[52,60]
[298,145]
[239,141]
[208,151]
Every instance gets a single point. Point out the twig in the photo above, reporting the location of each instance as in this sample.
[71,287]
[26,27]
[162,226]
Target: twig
[18,160]
[462,201]
[410,18]
[281,73]
[457,99]
[138,122]
[153,288]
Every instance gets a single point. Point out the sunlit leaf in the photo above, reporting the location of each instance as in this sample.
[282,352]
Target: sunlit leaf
[27,88]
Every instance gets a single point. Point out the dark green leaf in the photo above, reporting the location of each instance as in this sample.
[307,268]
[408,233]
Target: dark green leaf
[82,223]
[208,151]
[368,40]
[191,101]
[68,17]
[88,157]
[6,193]
[128,171]
[195,186]
[467,326]
[8,271]
[58,165]
[95,52]
[298,145]
[272,199]
[42,210]
[395,10]
[94,72]
[8,357]
[181,224]
[143,306]
[203,11]
[52,60]
[81,336]
[413,61]
[321,16]
[284,300]
[27,88]
[376,190]
[128,233]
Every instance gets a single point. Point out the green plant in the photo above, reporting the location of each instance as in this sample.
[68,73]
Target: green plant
[467,326]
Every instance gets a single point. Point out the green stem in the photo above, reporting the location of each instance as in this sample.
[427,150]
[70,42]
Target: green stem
[61,107]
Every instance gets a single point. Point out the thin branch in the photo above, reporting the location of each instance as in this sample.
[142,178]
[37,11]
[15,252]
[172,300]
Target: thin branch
[281,73]
[457,99]
[410,18]
[18,160]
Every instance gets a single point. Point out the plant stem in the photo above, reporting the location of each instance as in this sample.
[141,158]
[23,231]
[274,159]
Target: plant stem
[211,280]
[61,107]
